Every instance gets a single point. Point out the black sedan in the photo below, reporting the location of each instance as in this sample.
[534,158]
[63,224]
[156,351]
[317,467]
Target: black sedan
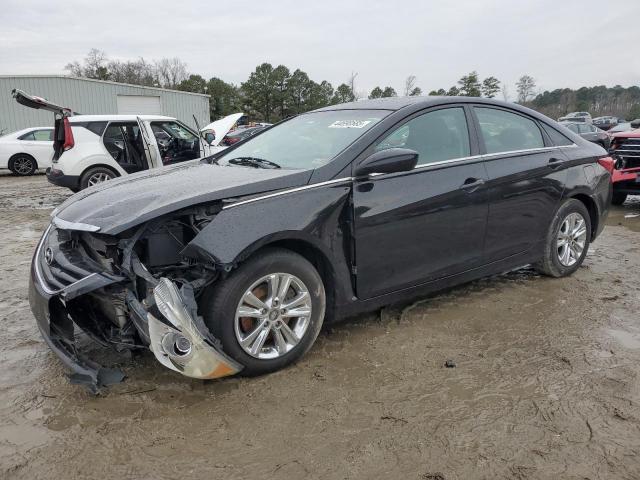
[232,263]
[590,133]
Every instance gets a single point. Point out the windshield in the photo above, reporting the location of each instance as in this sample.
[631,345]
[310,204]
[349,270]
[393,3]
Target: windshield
[304,142]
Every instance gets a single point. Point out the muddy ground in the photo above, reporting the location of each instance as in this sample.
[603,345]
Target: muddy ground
[546,384]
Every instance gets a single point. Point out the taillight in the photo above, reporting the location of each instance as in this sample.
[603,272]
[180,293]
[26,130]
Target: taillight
[69,142]
[608,163]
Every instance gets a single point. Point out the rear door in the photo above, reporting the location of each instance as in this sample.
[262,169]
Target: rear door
[526,180]
[428,223]
[124,143]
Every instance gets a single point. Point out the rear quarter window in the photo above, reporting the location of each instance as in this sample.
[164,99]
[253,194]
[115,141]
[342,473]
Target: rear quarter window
[556,137]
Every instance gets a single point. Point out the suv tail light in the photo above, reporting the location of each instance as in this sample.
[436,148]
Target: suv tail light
[608,163]
[69,142]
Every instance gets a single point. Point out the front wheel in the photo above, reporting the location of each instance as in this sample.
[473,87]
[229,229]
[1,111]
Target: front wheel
[567,240]
[267,313]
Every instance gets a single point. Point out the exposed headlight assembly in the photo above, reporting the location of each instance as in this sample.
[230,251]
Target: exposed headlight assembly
[182,347]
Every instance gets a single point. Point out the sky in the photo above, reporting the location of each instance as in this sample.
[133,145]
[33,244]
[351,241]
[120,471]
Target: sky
[561,43]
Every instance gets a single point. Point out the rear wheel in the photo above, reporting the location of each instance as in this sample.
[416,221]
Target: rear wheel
[96,175]
[23,164]
[267,313]
[567,240]
[618,198]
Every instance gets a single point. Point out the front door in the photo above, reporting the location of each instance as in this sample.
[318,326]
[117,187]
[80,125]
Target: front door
[526,181]
[414,227]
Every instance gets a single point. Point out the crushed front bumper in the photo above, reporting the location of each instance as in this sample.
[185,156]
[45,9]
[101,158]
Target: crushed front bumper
[200,356]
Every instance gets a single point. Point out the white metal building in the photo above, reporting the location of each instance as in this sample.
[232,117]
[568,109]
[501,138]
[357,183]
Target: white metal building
[96,97]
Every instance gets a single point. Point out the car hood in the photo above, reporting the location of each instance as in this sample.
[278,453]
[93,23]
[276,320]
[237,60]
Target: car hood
[221,127]
[629,134]
[122,203]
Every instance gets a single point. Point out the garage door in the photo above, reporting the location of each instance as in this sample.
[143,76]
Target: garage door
[139,105]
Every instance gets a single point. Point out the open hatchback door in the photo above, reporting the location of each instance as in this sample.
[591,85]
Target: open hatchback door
[63,136]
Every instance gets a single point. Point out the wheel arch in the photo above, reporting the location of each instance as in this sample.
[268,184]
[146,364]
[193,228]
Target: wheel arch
[592,208]
[101,165]
[307,249]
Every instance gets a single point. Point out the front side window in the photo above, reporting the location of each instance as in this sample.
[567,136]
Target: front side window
[307,141]
[504,131]
[175,141]
[436,136]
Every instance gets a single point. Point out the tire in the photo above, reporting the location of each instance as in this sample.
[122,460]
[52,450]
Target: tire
[618,198]
[23,165]
[220,303]
[551,263]
[96,175]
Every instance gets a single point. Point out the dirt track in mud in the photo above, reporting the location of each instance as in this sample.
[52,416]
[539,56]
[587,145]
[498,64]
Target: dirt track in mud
[546,384]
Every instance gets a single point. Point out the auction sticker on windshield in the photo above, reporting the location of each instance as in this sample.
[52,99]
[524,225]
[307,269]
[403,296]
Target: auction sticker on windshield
[350,124]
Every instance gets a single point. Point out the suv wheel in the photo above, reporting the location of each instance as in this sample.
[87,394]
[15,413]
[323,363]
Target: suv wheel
[96,175]
[267,313]
[567,240]
[618,198]
[23,165]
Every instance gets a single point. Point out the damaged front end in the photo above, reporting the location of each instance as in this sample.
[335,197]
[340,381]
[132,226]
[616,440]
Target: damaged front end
[132,291]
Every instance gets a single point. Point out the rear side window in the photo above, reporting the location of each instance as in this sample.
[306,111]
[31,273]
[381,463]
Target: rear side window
[436,136]
[95,127]
[556,137]
[504,131]
[39,136]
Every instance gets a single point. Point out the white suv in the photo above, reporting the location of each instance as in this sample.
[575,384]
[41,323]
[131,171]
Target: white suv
[90,149]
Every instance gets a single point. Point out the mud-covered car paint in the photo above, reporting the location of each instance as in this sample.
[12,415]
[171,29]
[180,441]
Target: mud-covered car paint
[324,213]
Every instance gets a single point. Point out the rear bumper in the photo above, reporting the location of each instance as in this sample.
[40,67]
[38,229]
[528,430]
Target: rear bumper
[57,177]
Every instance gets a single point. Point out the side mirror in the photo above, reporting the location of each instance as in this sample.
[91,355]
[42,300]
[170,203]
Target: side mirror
[635,123]
[390,160]
[209,137]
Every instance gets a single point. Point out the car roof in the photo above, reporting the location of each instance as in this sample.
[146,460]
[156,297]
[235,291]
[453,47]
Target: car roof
[115,118]
[417,103]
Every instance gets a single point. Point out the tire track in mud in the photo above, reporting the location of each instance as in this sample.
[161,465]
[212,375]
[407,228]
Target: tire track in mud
[545,384]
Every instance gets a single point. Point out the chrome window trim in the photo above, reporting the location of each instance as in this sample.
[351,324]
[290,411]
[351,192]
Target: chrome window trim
[65,225]
[291,190]
[417,167]
[40,277]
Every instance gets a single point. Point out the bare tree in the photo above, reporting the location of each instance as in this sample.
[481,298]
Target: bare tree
[352,85]
[505,92]
[409,85]
[94,66]
[526,88]
[170,72]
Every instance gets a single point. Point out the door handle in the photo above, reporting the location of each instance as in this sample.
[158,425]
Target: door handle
[555,162]
[472,184]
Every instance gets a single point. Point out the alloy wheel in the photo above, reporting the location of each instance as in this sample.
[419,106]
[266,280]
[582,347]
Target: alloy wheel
[23,165]
[273,315]
[571,239]
[97,178]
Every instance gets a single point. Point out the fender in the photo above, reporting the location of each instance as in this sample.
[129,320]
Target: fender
[318,215]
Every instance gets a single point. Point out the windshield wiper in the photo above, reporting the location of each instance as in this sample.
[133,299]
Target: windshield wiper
[253,162]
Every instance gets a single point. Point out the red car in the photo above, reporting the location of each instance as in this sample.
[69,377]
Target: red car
[625,149]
